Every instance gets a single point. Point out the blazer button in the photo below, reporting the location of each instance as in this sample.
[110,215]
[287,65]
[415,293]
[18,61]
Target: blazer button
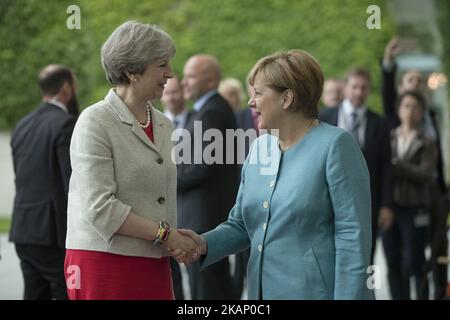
[161,200]
[160,160]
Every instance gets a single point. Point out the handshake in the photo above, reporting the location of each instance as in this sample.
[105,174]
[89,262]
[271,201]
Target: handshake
[186,246]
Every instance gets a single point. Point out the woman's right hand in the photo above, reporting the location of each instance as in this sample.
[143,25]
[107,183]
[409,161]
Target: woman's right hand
[200,244]
[182,246]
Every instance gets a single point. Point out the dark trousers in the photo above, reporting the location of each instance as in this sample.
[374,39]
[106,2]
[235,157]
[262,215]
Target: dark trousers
[375,214]
[438,241]
[404,246]
[177,280]
[43,272]
[212,283]
[240,272]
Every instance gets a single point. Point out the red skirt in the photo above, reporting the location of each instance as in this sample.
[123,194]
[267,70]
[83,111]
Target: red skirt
[92,275]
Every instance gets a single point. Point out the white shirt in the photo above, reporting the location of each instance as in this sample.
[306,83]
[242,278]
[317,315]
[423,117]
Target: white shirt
[403,143]
[58,104]
[198,105]
[345,119]
[179,118]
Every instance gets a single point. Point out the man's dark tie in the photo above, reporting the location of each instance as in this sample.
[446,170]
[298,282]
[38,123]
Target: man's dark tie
[354,125]
[175,123]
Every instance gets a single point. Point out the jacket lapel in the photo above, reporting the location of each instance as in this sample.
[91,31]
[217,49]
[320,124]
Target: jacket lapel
[415,145]
[370,131]
[124,114]
[158,130]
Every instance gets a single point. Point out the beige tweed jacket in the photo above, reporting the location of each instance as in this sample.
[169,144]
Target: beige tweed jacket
[117,169]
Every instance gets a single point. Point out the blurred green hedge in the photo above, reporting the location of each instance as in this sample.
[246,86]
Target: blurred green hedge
[444,24]
[33,33]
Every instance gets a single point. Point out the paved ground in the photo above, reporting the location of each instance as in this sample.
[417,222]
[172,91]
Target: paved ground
[11,282]
[7,176]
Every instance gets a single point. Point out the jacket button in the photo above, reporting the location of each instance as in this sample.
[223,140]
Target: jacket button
[160,160]
[161,200]
[265,204]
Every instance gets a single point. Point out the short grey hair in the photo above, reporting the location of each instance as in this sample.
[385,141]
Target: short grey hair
[131,48]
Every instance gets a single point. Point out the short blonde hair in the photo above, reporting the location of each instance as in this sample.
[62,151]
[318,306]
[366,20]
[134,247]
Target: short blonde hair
[234,85]
[296,70]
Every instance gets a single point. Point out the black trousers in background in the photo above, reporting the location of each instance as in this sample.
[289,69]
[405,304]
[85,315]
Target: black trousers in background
[43,272]
[177,280]
[212,283]
[240,272]
[375,230]
[404,247]
[438,240]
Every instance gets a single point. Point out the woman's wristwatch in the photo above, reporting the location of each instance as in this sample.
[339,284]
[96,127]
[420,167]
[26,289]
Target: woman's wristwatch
[163,233]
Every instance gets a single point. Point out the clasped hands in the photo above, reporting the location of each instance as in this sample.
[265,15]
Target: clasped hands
[186,246]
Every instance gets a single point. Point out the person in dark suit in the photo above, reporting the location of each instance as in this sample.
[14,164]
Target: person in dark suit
[412,80]
[175,109]
[246,119]
[40,151]
[207,187]
[372,133]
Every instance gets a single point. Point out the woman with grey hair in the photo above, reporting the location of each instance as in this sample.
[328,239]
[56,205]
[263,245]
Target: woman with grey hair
[122,193]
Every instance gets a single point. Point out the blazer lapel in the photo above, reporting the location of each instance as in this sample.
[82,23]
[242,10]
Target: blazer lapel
[124,114]
[370,131]
[415,145]
[158,131]
[140,134]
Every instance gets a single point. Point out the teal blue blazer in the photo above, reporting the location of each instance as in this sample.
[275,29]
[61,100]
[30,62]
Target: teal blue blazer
[305,213]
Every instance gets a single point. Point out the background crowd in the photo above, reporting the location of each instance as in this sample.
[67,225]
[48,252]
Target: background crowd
[391,114]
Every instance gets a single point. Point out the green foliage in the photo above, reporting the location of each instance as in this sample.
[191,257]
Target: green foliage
[33,33]
[444,24]
[5,225]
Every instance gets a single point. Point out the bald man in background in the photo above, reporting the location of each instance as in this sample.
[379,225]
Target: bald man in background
[207,192]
